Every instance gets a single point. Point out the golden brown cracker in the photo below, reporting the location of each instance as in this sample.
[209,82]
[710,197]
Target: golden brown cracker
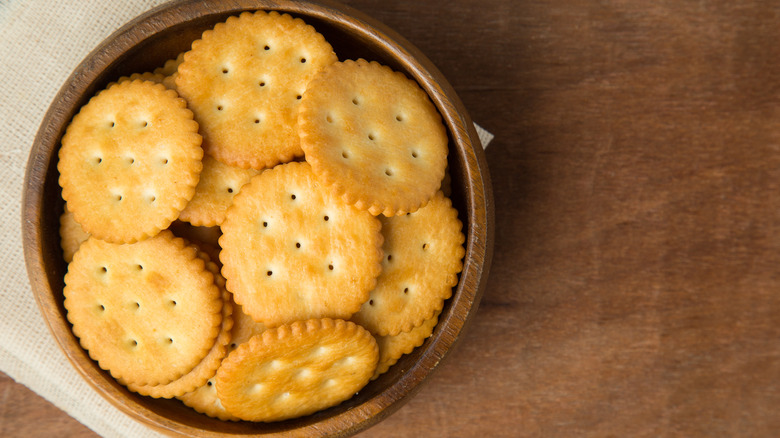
[218,184]
[207,367]
[391,348]
[130,161]
[244,328]
[147,312]
[147,76]
[296,370]
[197,235]
[205,401]
[170,65]
[373,137]
[291,252]
[71,234]
[244,79]
[423,254]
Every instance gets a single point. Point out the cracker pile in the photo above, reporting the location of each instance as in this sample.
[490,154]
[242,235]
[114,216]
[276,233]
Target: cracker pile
[255,228]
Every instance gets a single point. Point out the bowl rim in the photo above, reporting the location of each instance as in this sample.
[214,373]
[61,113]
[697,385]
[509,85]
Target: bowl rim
[478,194]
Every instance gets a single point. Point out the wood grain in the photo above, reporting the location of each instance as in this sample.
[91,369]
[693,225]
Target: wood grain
[634,285]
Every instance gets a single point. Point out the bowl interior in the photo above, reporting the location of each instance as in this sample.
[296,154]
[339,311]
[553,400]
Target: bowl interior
[147,43]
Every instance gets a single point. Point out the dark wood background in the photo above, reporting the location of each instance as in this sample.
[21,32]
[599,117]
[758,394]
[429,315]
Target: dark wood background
[635,287]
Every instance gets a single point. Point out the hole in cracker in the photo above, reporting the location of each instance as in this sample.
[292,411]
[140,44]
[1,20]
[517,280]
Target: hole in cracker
[414,154]
[233,345]
[269,273]
[230,189]
[388,172]
[297,244]
[371,137]
[111,124]
[330,267]
[210,383]
[133,343]
[144,124]
[329,119]
[344,154]
[399,118]
[406,290]
[224,70]
[389,257]
[118,197]
[265,224]
[102,308]
[169,340]
[326,218]
[425,246]
[303,60]
[219,107]
[137,305]
[164,161]
[173,303]
[257,121]
[139,267]
[370,302]
[298,97]
[103,269]
[262,83]
[98,160]
[130,160]
[266,48]
[292,197]
[355,100]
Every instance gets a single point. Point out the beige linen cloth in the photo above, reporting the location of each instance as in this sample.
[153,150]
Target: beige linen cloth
[41,43]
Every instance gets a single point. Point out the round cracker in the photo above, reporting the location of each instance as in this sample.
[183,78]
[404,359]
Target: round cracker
[292,252]
[130,161]
[296,370]
[245,328]
[244,80]
[71,235]
[204,399]
[170,66]
[207,367]
[147,312]
[373,137]
[391,348]
[423,257]
[218,184]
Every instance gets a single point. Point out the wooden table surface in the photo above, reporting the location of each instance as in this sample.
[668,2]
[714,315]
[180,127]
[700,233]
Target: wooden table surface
[635,288]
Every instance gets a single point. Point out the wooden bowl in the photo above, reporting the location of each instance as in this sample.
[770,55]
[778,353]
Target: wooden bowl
[147,42]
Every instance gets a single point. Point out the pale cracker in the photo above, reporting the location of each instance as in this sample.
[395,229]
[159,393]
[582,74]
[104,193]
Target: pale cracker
[373,137]
[207,367]
[71,234]
[130,161]
[423,254]
[391,348]
[296,370]
[218,184]
[147,312]
[292,252]
[244,80]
